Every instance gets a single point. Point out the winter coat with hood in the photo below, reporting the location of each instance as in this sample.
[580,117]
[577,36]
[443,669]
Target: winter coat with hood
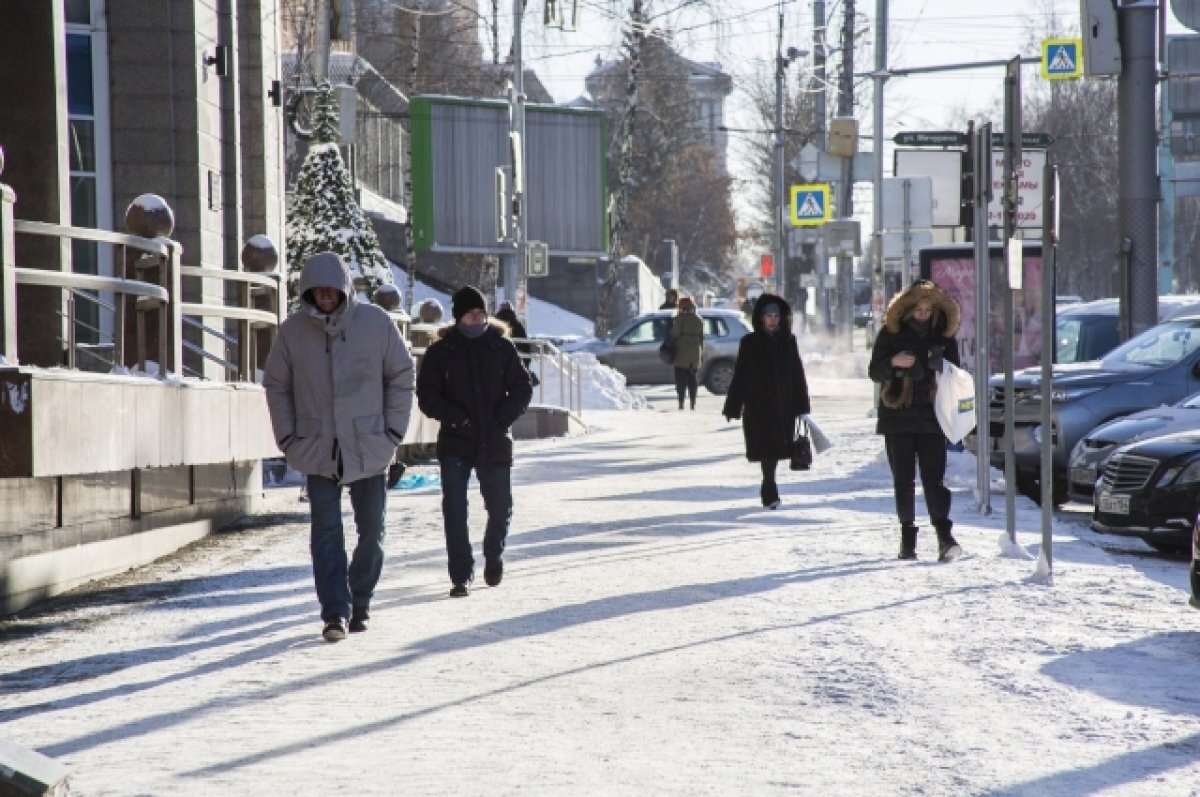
[687,328]
[769,389]
[906,396]
[476,388]
[339,385]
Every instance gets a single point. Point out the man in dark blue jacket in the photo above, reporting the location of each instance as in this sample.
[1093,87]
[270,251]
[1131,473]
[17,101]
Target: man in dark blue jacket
[472,381]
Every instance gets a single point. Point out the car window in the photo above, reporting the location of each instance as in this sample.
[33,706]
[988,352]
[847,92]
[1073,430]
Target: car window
[1066,340]
[715,328]
[648,331]
[1159,346]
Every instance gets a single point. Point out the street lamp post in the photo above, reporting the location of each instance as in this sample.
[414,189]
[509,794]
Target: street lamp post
[780,248]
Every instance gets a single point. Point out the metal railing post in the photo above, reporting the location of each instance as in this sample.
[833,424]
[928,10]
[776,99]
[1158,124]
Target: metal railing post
[8,279]
[171,318]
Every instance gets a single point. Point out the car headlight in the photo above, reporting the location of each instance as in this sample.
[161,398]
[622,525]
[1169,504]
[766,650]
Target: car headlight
[1181,474]
[1059,395]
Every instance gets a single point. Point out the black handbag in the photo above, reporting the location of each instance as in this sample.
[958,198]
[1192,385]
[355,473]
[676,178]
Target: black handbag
[802,452]
[666,352]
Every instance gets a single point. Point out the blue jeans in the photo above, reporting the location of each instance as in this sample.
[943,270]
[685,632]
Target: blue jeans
[339,587]
[495,484]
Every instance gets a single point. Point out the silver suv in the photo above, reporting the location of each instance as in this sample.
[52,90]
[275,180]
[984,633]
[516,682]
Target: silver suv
[632,348]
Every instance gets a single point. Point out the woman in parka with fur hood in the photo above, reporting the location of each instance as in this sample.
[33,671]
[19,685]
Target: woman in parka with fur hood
[918,335]
[769,390]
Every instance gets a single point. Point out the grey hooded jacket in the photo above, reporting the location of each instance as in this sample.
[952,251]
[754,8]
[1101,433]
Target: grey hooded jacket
[339,385]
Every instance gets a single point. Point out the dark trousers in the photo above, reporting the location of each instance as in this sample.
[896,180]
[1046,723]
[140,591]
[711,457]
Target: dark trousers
[906,454]
[341,585]
[685,382]
[769,491]
[495,484]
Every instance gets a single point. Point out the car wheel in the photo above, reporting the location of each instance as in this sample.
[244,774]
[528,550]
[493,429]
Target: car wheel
[718,377]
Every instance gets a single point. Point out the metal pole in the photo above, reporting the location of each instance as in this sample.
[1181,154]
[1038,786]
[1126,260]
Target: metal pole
[514,265]
[1137,172]
[1166,214]
[1049,264]
[1012,167]
[846,206]
[320,41]
[982,168]
[821,306]
[780,282]
[880,77]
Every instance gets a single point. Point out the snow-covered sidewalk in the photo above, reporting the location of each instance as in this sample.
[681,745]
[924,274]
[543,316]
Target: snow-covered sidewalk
[657,632]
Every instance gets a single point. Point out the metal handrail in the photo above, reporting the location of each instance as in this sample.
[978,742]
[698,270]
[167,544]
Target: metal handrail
[165,297]
[570,391]
[91,282]
[154,246]
[261,317]
[269,279]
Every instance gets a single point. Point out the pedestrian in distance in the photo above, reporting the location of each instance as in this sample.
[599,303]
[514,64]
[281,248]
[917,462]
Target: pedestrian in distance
[473,383]
[672,298]
[769,390]
[917,337]
[687,328]
[517,330]
[802,308]
[339,387]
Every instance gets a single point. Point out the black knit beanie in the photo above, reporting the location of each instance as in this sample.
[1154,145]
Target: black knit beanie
[467,299]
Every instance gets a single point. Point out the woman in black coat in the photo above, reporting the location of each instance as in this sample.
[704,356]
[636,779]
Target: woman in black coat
[918,335]
[768,390]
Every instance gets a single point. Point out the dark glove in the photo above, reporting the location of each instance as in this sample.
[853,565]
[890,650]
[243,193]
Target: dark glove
[937,358]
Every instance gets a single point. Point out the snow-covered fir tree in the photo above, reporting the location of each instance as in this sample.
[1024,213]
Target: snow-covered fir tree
[324,215]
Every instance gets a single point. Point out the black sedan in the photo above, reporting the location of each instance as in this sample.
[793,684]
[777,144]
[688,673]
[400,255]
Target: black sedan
[1150,489]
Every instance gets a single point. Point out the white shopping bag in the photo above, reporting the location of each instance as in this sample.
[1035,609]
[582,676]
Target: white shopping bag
[819,439]
[955,402]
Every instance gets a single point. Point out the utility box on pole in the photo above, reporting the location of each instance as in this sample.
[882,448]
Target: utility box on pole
[538,264]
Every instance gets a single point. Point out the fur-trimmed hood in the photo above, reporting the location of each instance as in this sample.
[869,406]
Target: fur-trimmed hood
[760,304]
[946,314]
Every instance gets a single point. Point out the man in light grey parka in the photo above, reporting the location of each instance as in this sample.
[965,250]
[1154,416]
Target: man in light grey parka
[339,385]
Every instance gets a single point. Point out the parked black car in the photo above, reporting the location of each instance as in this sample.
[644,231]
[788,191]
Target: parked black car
[1195,601]
[1151,489]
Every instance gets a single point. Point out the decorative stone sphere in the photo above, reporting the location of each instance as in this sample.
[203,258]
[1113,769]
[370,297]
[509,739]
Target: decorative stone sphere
[259,254]
[387,297]
[430,311]
[149,216]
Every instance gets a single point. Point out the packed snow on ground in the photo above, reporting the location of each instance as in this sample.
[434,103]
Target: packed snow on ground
[657,632]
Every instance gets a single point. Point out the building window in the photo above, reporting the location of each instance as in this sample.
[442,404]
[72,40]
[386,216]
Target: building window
[87,144]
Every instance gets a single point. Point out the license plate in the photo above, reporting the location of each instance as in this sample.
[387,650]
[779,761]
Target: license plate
[1113,504]
[1083,475]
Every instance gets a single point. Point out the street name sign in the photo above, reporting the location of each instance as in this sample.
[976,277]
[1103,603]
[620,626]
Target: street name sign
[930,138]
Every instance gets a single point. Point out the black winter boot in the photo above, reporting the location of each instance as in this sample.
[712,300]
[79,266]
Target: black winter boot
[948,547]
[908,541]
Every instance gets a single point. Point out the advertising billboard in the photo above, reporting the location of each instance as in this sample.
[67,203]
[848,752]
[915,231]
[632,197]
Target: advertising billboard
[457,144]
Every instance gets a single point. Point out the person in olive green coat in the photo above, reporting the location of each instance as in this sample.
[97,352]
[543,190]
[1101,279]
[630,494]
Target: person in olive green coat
[687,329]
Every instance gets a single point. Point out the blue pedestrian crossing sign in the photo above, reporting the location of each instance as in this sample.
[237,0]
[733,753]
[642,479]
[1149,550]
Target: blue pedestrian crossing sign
[1062,59]
[810,205]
